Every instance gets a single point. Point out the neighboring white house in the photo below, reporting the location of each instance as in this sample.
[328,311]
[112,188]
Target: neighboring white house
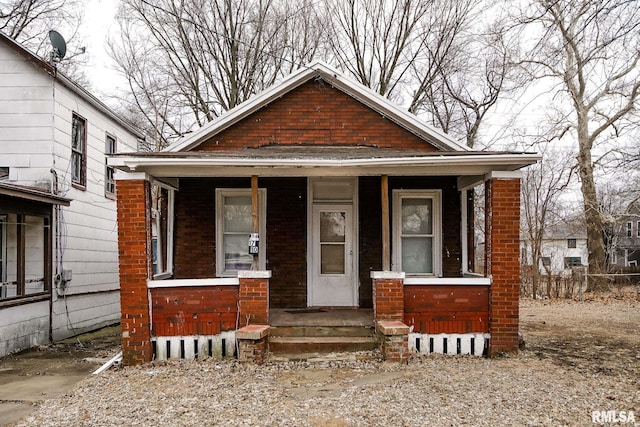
[624,244]
[58,236]
[564,247]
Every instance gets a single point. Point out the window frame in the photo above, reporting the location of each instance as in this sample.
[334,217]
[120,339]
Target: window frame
[163,241]
[220,195]
[109,171]
[638,229]
[436,234]
[572,243]
[569,261]
[629,229]
[81,182]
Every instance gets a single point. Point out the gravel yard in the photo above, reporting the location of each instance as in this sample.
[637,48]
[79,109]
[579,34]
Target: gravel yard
[580,358]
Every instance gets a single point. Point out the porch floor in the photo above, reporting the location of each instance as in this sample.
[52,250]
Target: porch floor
[322,317]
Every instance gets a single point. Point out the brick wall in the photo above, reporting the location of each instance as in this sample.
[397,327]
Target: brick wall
[435,309]
[254,299]
[388,297]
[315,113]
[286,241]
[134,244]
[202,310]
[502,262]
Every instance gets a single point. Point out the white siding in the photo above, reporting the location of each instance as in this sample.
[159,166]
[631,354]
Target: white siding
[35,137]
[91,243]
[24,326]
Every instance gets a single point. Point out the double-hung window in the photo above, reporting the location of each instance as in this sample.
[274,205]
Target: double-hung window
[234,226]
[417,232]
[109,172]
[78,151]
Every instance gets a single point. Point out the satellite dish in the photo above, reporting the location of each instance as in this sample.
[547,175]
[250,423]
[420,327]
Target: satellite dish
[59,45]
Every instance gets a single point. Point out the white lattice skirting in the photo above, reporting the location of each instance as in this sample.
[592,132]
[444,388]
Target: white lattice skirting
[222,346]
[474,344]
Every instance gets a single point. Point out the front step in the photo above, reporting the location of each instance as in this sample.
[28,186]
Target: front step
[322,331]
[321,344]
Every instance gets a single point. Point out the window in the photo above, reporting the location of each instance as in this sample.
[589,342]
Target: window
[233,228]
[638,229]
[416,225]
[629,229]
[109,181]
[162,204]
[78,151]
[546,261]
[23,257]
[4,172]
[571,243]
[572,261]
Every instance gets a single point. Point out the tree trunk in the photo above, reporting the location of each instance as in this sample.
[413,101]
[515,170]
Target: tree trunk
[595,234]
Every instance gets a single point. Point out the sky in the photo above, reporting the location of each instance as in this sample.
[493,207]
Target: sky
[98,23]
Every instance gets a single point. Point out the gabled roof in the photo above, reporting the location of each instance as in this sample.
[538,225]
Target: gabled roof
[67,82]
[314,71]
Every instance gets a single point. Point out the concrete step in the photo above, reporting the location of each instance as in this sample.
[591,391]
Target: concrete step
[301,345]
[322,331]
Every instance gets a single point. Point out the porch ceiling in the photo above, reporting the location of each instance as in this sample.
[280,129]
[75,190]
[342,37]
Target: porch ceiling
[295,161]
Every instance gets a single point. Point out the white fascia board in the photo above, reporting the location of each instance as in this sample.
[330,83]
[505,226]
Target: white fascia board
[352,88]
[134,163]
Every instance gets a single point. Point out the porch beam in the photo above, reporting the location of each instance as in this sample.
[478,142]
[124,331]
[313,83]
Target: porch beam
[386,247]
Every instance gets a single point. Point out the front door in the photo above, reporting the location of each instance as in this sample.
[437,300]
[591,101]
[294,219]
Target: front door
[332,260]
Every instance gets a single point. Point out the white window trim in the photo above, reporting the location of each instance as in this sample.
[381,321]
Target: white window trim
[165,271]
[221,193]
[107,168]
[629,229]
[638,229]
[436,196]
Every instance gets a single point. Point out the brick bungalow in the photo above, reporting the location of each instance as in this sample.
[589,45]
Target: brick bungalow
[317,192]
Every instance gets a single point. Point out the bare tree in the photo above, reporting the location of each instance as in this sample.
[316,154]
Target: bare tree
[189,61]
[589,48]
[459,92]
[542,186]
[376,41]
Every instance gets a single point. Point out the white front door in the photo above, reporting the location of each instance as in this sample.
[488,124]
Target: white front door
[332,259]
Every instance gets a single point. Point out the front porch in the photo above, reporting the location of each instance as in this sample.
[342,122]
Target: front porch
[317,193]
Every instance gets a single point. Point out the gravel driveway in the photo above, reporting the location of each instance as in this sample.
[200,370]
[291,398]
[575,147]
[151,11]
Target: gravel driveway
[580,358]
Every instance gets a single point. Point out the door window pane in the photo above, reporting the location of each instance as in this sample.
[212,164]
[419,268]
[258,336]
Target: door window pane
[417,254]
[332,259]
[332,226]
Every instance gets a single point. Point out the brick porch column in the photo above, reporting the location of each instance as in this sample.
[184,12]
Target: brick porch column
[254,297]
[388,295]
[502,259]
[134,246]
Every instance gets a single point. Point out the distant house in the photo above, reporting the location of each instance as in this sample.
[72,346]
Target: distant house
[564,248]
[625,240]
[58,231]
[319,193]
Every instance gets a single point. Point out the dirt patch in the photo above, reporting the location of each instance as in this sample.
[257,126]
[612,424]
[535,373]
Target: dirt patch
[599,335]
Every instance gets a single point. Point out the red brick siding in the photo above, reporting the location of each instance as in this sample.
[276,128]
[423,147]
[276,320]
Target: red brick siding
[388,302]
[315,113]
[502,262]
[134,245]
[254,302]
[206,310]
[435,309]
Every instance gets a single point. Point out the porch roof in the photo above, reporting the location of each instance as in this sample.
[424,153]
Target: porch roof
[301,160]
[31,193]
